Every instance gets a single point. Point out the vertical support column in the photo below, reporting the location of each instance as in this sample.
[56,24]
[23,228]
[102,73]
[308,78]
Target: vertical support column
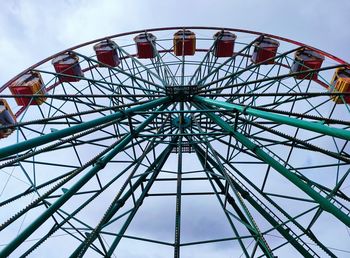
[178,203]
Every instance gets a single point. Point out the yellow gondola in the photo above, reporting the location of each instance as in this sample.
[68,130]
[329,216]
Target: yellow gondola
[6,118]
[341,83]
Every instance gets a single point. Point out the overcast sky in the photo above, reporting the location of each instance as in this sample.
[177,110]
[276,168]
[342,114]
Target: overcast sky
[31,30]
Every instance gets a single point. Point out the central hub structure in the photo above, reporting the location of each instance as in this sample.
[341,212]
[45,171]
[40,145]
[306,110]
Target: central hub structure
[181,93]
[180,122]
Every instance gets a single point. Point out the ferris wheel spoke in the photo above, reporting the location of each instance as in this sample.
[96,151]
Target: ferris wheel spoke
[81,207]
[295,142]
[279,221]
[67,176]
[296,99]
[249,67]
[134,73]
[206,63]
[55,119]
[64,178]
[7,151]
[71,215]
[164,65]
[257,87]
[332,193]
[320,188]
[102,83]
[291,140]
[202,82]
[270,79]
[114,207]
[150,73]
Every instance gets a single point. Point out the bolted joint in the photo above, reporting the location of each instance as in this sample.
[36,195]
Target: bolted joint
[120,203]
[135,134]
[245,194]
[255,148]
[100,164]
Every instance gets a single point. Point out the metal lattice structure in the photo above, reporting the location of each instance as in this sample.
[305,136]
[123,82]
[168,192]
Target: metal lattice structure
[179,155]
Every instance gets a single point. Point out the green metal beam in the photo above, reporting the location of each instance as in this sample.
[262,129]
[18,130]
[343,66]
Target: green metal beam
[72,214]
[99,165]
[118,201]
[269,79]
[284,232]
[217,69]
[247,215]
[275,205]
[203,158]
[156,166]
[324,202]
[38,141]
[315,127]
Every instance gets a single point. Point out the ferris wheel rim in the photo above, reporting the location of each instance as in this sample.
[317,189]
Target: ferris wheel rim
[209,109]
[297,43]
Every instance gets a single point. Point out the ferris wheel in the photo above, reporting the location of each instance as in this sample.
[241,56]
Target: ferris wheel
[177,142]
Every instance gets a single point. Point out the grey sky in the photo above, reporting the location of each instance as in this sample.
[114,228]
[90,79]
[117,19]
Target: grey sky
[33,30]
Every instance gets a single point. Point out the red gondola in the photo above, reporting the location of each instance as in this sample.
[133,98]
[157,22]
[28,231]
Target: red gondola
[306,59]
[68,64]
[224,43]
[184,40]
[106,53]
[264,49]
[29,84]
[145,44]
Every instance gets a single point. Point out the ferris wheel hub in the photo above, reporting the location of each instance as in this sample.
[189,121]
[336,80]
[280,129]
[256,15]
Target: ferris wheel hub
[181,93]
[182,122]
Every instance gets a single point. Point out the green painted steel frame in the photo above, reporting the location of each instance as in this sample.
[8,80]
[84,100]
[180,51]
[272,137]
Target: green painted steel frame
[84,179]
[264,156]
[315,127]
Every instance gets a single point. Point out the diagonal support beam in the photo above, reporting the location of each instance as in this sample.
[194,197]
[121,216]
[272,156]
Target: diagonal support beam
[156,167]
[74,188]
[205,160]
[120,202]
[284,232]
[38,141]
[311,126]
[322,201]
